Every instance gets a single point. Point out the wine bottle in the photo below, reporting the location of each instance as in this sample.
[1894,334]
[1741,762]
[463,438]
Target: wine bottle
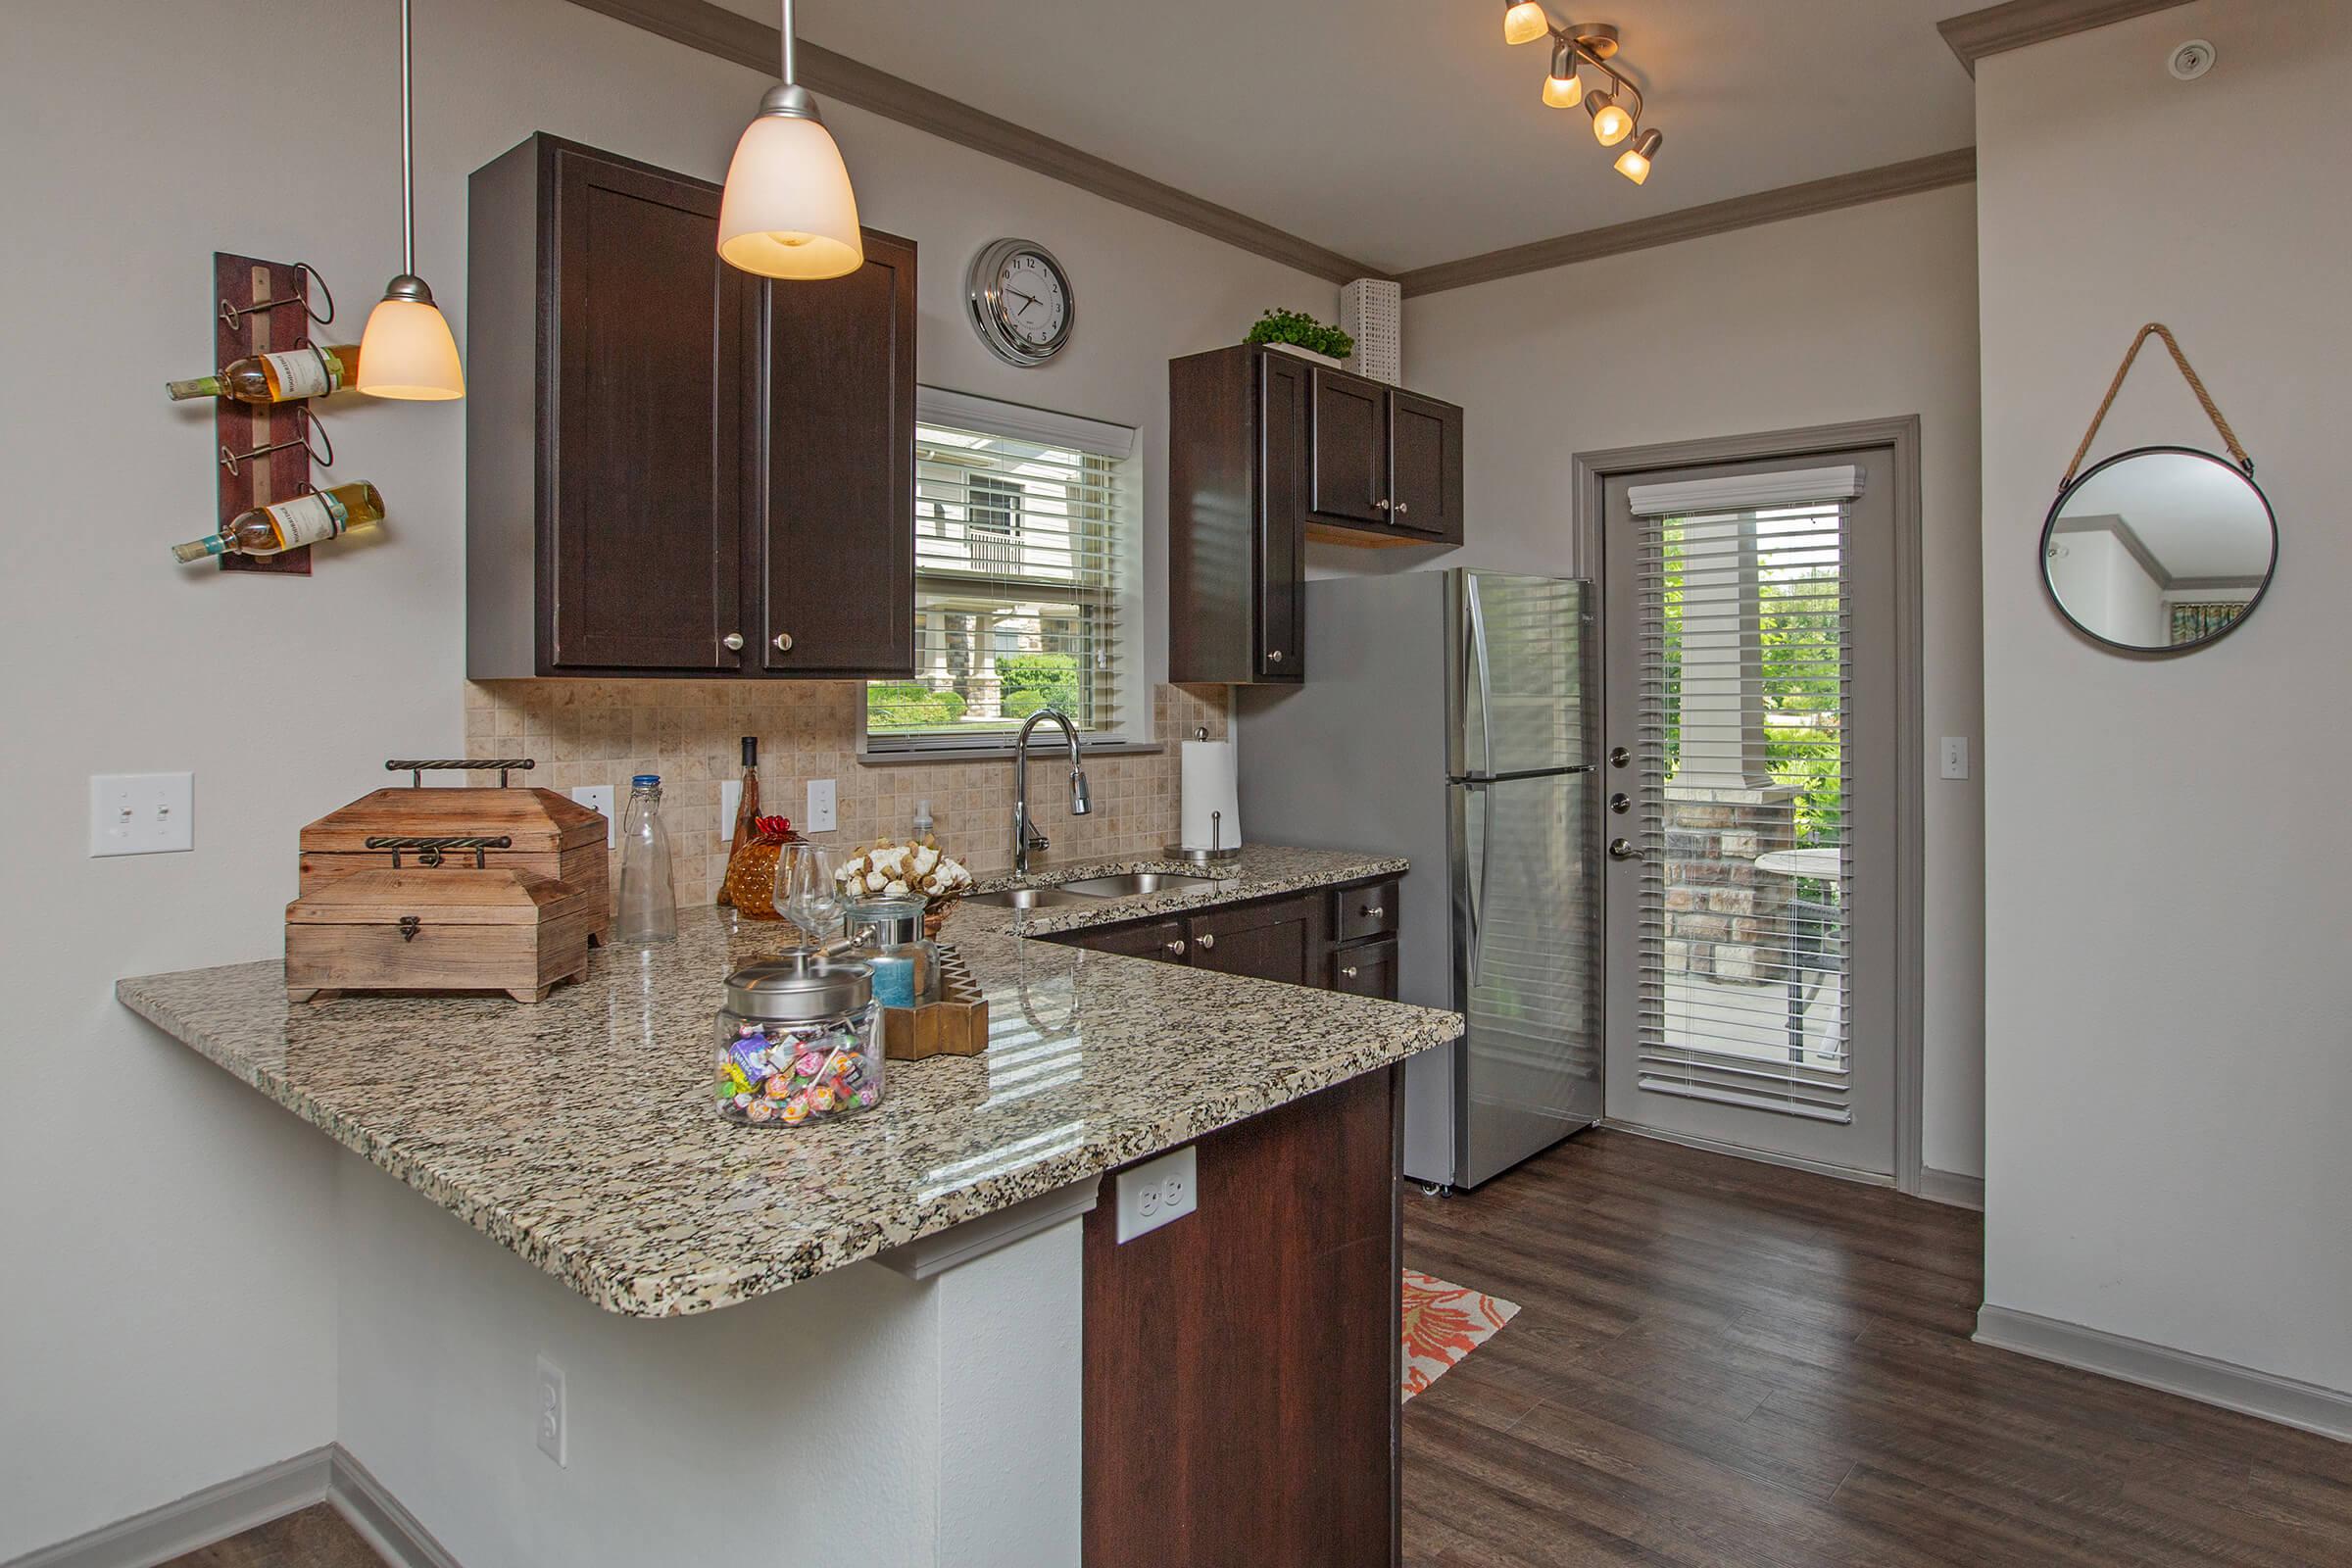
[275,377]
[284,525]
[747,806]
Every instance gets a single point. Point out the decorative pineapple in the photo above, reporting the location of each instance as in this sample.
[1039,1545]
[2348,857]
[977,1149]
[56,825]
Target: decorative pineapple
[751,881]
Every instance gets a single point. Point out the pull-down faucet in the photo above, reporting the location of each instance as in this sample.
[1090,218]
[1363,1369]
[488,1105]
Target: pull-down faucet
[1025,836]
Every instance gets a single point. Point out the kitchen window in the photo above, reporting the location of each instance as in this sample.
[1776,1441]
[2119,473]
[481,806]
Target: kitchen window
[1028,534]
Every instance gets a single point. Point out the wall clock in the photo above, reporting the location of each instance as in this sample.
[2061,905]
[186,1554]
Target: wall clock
[1021,304]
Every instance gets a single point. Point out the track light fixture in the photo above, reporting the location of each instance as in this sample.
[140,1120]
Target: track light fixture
[1573,48]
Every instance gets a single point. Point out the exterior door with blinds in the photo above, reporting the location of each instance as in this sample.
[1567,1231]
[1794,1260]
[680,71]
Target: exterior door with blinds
[1750,788]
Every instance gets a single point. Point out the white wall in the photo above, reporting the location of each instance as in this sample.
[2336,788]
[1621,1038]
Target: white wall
[169,1310]
[1854,315]
[2167,1157]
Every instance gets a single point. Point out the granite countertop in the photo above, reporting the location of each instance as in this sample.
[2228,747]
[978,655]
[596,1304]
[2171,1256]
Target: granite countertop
[579,1131]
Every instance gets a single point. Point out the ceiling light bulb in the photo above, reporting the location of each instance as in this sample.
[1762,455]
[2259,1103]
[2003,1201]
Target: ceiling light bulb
[1633,162]
[788,210]
[1524,22]
[1559,88]
[1611,125]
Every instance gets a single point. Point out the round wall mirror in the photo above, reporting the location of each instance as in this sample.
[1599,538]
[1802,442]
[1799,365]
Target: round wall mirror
[2159,550]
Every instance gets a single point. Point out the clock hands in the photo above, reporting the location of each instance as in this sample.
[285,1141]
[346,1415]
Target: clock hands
[1026,300]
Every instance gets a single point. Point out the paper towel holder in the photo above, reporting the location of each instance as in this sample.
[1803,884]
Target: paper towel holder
[1214,853]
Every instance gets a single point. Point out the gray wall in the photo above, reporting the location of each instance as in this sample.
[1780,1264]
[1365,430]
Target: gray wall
[2170,1069]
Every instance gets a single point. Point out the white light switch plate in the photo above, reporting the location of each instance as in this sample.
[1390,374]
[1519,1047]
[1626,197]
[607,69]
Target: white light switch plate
[1158,1192]
[599,798]
[730,798]
[143,813]
[1955,756]
[822,817]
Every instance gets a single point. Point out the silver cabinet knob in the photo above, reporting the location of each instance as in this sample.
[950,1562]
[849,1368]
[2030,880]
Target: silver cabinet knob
[733,641]
[783,642]
[1176,948]
[1373,911]
[1348,973]
[1274,656]
[1209,940]
[1382,504]
[1403,508]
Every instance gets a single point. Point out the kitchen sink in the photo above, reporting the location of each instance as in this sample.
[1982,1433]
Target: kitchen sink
[1113,887]
[1028,898]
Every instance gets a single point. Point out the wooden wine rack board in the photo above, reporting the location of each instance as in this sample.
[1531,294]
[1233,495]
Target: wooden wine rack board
[242,280]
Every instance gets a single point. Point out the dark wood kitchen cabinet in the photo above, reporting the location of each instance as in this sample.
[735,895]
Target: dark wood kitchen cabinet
[1337,939]
[1266,451]
[674,468]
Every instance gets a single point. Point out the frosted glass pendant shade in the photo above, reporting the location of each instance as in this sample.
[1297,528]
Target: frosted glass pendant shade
[407,352]
[788,211]
[1524,22]
[1611,125]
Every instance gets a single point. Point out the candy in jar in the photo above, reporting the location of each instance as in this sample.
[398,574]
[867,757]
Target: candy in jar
[798,1039]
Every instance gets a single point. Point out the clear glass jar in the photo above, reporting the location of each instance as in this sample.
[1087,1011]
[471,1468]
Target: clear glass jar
[649,904]
[798,1039]
[905,962]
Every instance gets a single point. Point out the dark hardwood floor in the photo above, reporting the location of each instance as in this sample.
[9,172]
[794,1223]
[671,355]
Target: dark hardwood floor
[314,1537]
[1723,1363]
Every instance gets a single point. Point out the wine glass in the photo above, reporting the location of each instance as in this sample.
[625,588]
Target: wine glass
[805,894]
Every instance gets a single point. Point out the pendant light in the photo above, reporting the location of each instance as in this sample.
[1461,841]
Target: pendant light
[407,351]
[1611,125]
[1633,162]
[1559,88]
[1524,22]
[788,210]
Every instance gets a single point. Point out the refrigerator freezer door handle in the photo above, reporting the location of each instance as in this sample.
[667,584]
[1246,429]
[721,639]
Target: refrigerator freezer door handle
[1478,887]
[1477,657]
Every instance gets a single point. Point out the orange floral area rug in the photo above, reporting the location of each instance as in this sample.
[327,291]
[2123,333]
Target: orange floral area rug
[1442,1323]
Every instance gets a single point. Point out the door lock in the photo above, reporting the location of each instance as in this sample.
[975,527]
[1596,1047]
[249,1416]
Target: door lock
[1621,802]
[1623,850]
[1619,756]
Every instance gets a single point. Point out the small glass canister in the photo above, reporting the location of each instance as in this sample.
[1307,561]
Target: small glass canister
[799,1038]
[905,962]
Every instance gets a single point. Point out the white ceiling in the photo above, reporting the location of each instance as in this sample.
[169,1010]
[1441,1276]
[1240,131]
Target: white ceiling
[1403,132]
[2196,517]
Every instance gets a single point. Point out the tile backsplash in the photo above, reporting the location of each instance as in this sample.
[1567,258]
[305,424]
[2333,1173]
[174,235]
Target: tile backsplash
[690,732]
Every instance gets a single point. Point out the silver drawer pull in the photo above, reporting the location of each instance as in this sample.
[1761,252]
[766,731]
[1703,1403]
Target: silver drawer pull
[1274,656]
[1348,973]
[1382,504]
[733,641]
[1176,949]
[1209,940]
[1403,508]
[783,642]
[1373,911]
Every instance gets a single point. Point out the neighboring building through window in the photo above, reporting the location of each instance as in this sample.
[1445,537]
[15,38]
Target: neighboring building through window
[1028,543]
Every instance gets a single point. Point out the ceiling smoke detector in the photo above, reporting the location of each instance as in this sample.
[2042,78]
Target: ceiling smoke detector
[2191,59]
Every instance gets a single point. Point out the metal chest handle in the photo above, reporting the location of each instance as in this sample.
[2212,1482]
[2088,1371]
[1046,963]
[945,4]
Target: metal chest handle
[431,849]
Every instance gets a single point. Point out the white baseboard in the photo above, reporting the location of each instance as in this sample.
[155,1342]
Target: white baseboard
[2305,1405]
[322,1475]
[1950,1187]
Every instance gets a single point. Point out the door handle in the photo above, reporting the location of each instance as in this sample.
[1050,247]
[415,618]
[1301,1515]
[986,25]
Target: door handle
[1348,973]
[1209,940]
[1175,949]
[733,641]
[1623,850]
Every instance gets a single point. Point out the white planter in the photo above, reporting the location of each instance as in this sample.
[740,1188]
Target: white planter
[1308,353]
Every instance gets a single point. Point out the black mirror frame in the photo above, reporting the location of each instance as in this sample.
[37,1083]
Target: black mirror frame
[2049,528]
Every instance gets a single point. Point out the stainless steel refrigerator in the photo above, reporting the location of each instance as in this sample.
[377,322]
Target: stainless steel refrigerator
[1448,716]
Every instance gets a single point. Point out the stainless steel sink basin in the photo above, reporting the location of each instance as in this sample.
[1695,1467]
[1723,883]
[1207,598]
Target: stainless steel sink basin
[1027,898]
[1113,887]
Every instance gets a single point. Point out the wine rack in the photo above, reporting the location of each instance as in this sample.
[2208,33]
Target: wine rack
[265,452]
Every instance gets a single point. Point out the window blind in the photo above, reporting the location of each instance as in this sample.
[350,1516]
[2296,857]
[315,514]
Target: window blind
[1026,547]
[1747,893]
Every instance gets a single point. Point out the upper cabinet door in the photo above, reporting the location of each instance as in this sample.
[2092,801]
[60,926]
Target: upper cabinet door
[643,453]
[1425,465]
[1350,420]
[1277,577]
[834,540]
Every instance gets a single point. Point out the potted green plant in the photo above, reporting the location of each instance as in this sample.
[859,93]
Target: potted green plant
[1295,333]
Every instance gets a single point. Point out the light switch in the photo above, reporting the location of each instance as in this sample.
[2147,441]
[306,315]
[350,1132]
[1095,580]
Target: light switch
[599,798]
[1955,756]
[730,800]
[143,813]
[822,817]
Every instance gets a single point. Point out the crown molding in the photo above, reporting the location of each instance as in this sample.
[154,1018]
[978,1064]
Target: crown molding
[1956,168]
[716,30]
[1997,29]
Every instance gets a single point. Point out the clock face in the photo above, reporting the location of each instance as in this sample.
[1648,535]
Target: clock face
[1021,301]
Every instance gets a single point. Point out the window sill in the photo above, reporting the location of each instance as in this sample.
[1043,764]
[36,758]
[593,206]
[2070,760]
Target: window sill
[1054,747]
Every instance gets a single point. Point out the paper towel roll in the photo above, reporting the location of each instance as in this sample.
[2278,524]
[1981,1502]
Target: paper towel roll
[1210,787]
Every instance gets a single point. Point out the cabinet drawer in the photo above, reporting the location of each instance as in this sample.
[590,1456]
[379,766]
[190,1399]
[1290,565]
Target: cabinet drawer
[1274,939]
[1368,970]
[1152,939]
[1365,911]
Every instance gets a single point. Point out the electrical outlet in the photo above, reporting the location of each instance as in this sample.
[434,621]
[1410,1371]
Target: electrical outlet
[821,813]
[552,1433]
[730,797]
[599,798]
[1158,1191]
[1955,756]
[143,813]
